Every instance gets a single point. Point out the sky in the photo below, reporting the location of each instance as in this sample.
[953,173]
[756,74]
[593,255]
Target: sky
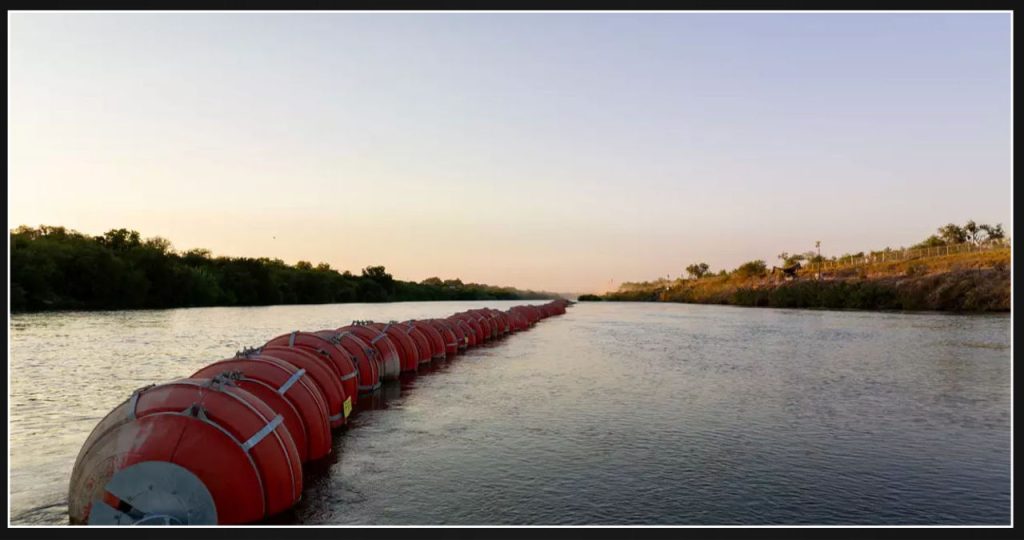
[561,152]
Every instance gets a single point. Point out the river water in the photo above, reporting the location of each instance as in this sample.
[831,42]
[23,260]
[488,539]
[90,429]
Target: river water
[615,413]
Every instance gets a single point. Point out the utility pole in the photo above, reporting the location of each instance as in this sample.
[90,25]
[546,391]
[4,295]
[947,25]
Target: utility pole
[817,244]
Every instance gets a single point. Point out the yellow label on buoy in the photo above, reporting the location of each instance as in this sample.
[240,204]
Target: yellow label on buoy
[347,407]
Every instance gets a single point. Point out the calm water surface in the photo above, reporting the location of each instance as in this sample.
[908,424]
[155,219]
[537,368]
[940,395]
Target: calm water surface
[612,414]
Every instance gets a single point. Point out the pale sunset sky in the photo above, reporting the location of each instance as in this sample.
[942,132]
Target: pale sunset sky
[563,152]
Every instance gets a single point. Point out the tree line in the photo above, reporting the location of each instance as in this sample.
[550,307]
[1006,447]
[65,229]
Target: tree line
[59,268]
[969,233]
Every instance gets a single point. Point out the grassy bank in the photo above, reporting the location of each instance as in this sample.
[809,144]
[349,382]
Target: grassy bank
[962,282]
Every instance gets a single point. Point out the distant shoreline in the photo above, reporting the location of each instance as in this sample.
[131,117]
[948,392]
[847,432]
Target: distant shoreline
[961,283]
[59,269]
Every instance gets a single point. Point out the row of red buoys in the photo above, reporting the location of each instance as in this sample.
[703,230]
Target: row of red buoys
[227,444]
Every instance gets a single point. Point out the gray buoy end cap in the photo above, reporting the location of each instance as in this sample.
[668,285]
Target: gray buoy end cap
[156,493]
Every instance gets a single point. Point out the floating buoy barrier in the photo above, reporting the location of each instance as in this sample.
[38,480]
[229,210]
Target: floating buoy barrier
[227,445]
[463,329]
[423,352]
[407,351]
[474,325]
[344,366]
[434,339]
[360,354]
[387,354]
[339,402]
[448,337]
[273,381]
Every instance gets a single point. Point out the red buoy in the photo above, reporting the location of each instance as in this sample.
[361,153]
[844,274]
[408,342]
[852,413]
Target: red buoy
[290,391]
[451,341]
[490,332]
[361,354]
[229,445]
[474,324]
[248,419]
[517,320]
[484,323]
[387,351]
[436,341]
[498,320]
[339,360]
[407,351]
[339,402]
[423,350]
[468,334]
[531,313]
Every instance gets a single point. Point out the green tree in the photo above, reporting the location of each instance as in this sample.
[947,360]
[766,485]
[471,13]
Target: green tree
[377,273]
[382,279]
[931,241]
[196,257]
[952,234]
[159,244]
[972,233]
[120,239]
[697,270]
[751,269]
[790,260]
[993,234]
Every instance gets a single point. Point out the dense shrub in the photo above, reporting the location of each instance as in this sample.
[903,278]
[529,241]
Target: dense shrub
[751,269]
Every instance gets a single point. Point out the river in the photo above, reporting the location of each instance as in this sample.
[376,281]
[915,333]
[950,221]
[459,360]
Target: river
[615,413]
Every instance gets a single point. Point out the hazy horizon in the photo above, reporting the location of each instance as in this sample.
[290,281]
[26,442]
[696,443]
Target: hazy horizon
[558,152]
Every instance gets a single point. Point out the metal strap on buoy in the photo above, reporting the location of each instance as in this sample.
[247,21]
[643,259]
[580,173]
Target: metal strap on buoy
[369,351]
[262,433]
[133,401]
[291,381]
[197,411]
[355,373]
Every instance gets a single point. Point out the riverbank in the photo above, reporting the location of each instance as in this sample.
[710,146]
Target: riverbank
[966,282]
